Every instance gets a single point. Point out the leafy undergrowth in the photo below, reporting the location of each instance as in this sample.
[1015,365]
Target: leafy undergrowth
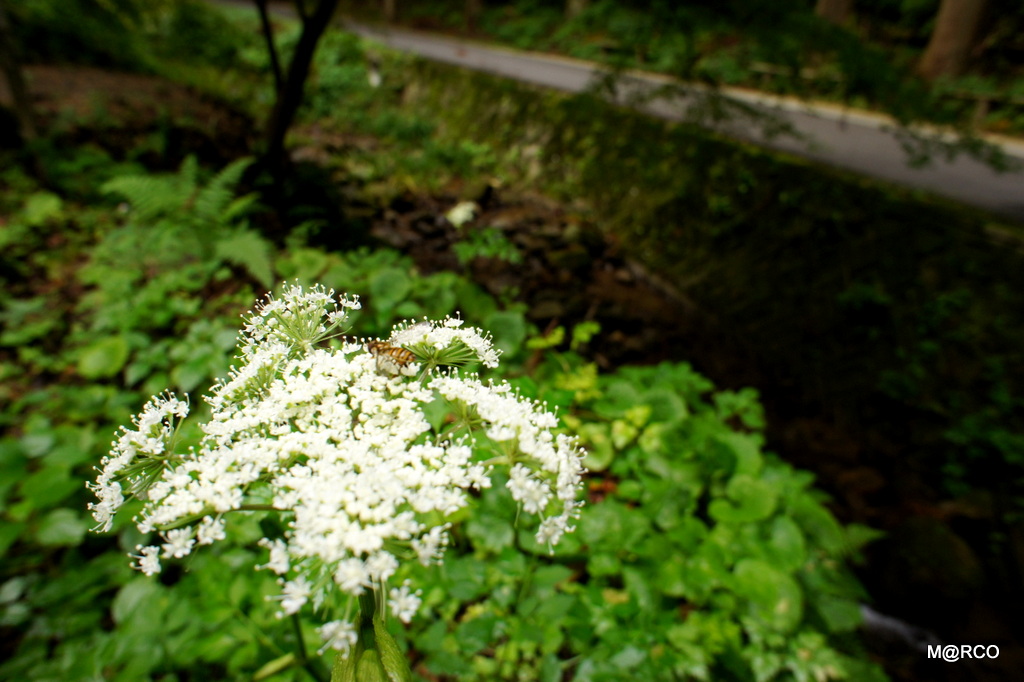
[699,555]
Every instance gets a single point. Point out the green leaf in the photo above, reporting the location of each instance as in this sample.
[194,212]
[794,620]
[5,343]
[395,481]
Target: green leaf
[598,445]
[475,633]
[839,614]
[61,528]
[666,405]
[612,526]
[103,358]
[279,664]
[388,287]
[490,532]
[508,328]
[392,661]
[752,500]
[819,524]
[747,451]
[48,486]
[41,207]
[138,598]
[603,563]
[9,532]
[38,444]
[773,597]
[549,340]
[582,333]
[786,547]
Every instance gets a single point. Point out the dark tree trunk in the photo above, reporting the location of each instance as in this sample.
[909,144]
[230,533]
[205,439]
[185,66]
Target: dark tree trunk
[11,67]
[950,44]
[473,10]
[21,100]
[289,97]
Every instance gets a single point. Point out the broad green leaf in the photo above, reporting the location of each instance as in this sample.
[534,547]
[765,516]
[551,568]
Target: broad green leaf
[603,563]
[819,524]
[671,570]
[746,450]
[476,632]
[311,265]
[705,572]
[598,445]
[612,526]
[37,444]
[751,500]
[388,287]
[666,405]
[773,597]
[61,527]
[138,597]
[786,546]
[489,532]
[103,358]
[547,578]
[48,486]
[508,328]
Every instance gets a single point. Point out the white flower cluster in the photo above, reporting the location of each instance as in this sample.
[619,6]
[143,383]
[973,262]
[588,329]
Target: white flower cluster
[445,335]
[344,452]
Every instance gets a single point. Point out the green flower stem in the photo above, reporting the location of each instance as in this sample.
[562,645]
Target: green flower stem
[376,656]
[315,670]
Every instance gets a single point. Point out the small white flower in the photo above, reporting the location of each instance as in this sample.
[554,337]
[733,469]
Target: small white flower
[403,602]
[279,562]
[295,593]
[179,543]
[527,490]
[462,213]
[148,559]
[352,576]
[429,548]
[210,530]
[339,635]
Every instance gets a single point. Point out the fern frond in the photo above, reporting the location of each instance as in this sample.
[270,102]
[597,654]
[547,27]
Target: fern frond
[249,250]
[240,207]
[151,196]
[214,199]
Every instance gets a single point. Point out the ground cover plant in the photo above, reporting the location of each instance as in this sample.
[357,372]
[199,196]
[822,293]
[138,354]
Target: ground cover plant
[756,561]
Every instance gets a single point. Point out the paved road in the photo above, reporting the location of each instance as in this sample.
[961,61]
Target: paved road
[852,140]
[848,139]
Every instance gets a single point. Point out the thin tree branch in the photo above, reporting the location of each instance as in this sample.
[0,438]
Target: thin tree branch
[268,36]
